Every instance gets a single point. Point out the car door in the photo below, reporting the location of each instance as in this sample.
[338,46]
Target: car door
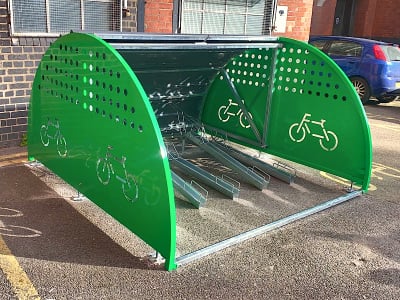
[347,54]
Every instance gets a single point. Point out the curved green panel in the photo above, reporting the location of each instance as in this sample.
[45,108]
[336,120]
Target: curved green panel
[92,124]
[311,89]
[302,104]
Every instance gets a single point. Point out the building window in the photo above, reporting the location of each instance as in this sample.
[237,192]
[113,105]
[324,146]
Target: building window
[36,17]
[249,17]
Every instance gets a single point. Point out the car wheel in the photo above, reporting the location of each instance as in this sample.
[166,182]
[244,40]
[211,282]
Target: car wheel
[386,98]
[362,88]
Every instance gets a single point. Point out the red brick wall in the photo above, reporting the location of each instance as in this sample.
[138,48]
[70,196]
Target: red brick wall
[377,18]
[299,18]
[387,19]
[158,16]
[372,18]
[322,17]
[364,18]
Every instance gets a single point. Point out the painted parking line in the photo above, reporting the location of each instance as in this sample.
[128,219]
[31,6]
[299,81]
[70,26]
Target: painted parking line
[382,118]
[379,171]
[16,276]
[390,127]
[344,182]
[13,159]
[20,282]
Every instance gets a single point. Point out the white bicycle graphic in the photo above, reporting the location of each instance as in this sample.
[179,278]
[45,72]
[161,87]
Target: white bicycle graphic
[14,230]
[327,139]
[104,170]
[51,131]
[18,231]
[225,112]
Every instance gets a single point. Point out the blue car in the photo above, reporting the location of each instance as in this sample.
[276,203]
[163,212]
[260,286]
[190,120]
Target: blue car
[372,66]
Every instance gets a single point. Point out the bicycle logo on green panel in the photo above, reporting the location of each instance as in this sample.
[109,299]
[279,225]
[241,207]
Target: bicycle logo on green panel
[233,110]
[105,172]
[328,140]
[52,131]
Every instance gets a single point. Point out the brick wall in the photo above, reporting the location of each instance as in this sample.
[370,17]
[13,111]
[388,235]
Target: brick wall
[323,17]
[19,58]
[299,18]
[386,19]
[376,19]
[4,40]
[129,20]
[364,18]
[18,67]
[158,16]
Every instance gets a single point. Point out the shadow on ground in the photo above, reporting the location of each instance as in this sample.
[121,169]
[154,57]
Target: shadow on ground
[37,223]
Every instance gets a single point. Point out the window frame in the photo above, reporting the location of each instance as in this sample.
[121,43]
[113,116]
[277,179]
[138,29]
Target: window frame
[318,43]
[48,33]
[267,30]
[334,42]
[392,52]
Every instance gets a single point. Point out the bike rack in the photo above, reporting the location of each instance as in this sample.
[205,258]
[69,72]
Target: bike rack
[129,92]
[273,170]
[247,174]
[189,191]
[209,179]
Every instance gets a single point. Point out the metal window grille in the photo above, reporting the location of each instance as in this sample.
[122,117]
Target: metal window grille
[41,17]
[249,17]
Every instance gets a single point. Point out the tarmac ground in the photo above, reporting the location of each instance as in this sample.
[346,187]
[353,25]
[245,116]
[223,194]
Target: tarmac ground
[52,247]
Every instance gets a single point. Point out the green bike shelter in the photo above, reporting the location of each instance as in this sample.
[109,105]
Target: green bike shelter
[102,105]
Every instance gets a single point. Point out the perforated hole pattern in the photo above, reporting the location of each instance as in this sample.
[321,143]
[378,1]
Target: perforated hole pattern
[85,78]
[299,71]
[250,68]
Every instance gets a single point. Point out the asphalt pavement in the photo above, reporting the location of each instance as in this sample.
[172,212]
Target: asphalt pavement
[52,247]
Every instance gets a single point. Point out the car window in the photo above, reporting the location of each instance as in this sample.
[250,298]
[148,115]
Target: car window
[318,44]
[392,52]
[345,48]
